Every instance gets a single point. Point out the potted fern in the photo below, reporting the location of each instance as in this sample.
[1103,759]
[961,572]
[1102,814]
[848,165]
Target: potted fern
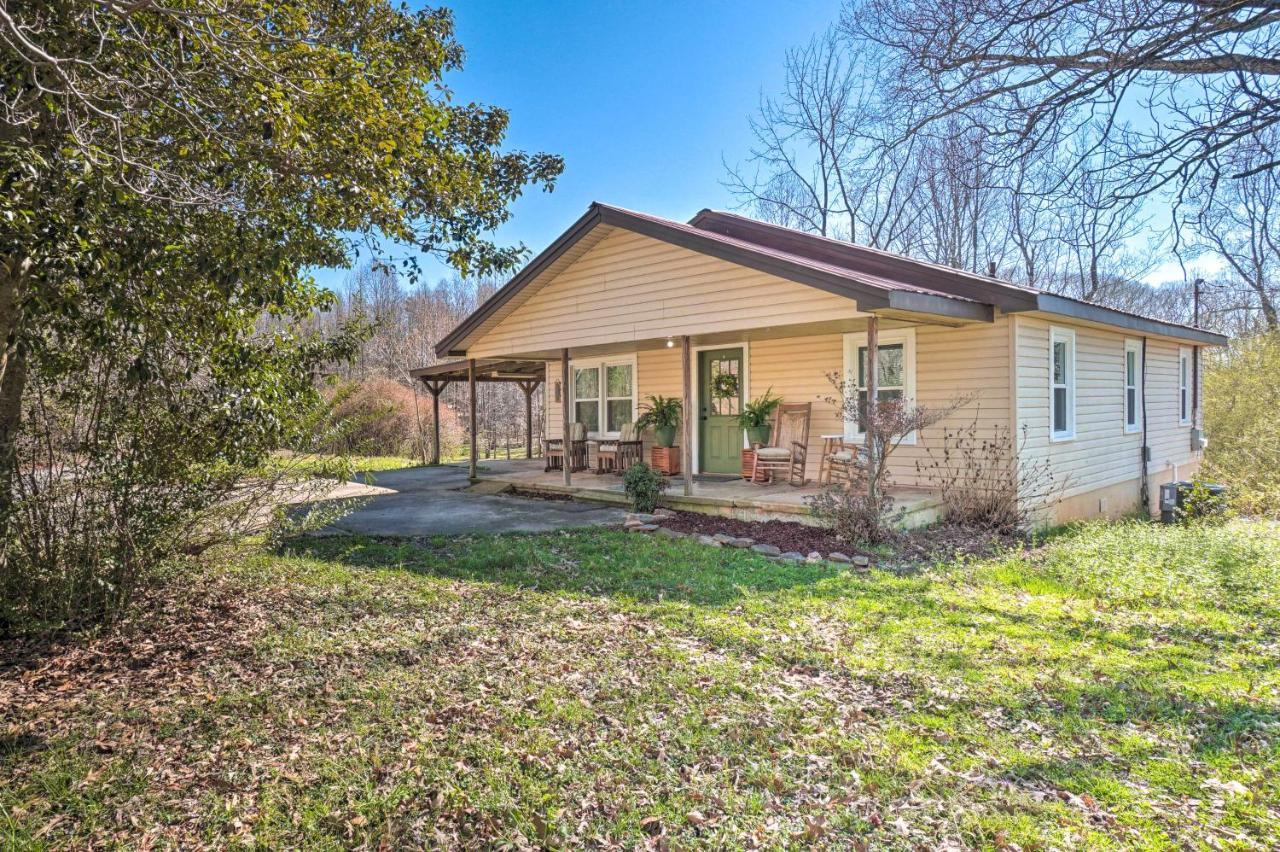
[757,416]
[662,415]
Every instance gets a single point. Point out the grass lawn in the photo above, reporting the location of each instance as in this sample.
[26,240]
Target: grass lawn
[1117,688]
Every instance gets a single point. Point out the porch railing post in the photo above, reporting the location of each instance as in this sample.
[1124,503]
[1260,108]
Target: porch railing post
[870,429]
[686,439]
[566,461]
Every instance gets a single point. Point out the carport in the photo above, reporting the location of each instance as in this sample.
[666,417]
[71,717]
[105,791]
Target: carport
[526,375]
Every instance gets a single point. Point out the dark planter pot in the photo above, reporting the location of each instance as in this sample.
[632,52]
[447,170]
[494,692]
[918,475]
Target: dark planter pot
[758,435]
[664,436]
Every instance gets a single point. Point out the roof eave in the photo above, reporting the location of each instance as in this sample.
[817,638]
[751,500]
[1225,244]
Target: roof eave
[926,303]
[1052,304]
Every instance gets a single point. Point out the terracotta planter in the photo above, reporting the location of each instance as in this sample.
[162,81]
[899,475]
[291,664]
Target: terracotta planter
[665,460]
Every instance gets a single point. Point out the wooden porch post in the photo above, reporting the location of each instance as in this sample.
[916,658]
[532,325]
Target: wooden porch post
[471,384]
[873,388]
[686,440]
[566,460]
[528,388]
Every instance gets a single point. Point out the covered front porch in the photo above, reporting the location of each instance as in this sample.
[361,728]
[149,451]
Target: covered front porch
[735,498]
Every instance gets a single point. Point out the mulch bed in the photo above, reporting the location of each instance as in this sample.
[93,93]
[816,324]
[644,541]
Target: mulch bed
[939,542]
[553,496]
[784,535]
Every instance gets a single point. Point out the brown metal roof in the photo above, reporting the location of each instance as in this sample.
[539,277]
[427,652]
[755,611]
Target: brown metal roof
[877,280]
[486,371]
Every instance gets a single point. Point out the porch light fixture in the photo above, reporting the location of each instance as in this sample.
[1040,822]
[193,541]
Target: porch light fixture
[670,343]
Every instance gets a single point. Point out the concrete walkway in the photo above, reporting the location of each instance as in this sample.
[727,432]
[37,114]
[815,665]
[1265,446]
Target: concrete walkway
[426,501]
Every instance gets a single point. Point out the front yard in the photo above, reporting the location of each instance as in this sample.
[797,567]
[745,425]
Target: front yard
[1118,687]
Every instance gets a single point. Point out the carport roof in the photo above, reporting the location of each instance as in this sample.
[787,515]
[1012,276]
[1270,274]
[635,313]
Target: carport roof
[486,371]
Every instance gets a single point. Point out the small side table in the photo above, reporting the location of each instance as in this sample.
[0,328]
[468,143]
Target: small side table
[665,460]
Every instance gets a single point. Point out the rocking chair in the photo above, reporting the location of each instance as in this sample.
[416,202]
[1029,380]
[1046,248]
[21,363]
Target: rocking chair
[554,450]
[789,447]
[617,456]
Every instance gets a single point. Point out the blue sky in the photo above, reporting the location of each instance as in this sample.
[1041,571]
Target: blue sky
[641,99]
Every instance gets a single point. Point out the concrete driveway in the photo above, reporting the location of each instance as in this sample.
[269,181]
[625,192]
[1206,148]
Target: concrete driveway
[425,501]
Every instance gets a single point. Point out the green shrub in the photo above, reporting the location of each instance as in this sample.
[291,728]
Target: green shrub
[1242,422]
[644,487]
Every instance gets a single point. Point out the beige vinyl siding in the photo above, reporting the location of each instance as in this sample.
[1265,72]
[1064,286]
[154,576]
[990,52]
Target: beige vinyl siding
[1101,454]
[633,288]
[971,361]
[657,374]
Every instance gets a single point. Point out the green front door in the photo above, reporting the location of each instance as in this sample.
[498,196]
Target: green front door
[719,404]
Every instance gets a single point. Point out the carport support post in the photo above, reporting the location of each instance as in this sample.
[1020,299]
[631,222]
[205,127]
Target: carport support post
[870,428]
[471,385]
[686,440]
[528,388]
[436,388]
[566,460]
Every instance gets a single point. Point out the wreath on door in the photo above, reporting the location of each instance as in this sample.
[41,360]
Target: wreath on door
[724,386]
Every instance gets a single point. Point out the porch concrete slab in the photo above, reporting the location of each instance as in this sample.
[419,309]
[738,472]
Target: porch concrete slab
[734,498]
[425,501]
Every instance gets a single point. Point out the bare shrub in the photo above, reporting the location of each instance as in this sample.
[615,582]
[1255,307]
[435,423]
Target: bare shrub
[861,510]
[984,479]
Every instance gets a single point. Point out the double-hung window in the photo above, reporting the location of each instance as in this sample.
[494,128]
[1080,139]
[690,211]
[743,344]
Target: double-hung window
[1062,376]
[604,395]
[1184,386]
[895,372]
[1132,386]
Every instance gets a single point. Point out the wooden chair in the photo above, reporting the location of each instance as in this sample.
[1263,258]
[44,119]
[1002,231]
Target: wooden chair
[789,447]
[553,449]
[616,456]
[842,461]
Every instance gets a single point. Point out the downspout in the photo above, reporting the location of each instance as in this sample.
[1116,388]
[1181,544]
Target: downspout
[1144,489]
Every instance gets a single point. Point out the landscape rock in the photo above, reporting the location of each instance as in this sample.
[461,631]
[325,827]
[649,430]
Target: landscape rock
[663,513]
[792,556]
[641,517]
[742,542]
[861,561]
[723,538]
[643,527]
[838,557]
[708,540]
[668,533]
[814,556]
[767,550]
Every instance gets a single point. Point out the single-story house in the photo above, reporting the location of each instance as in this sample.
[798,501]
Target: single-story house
[624,305]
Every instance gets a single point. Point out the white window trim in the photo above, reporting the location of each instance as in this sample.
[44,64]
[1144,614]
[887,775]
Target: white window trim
[599,364]
[1184,390]
[1067,335]
[1134,346]
[855,341]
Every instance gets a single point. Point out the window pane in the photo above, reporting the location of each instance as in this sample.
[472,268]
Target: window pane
[1059,362]
[618,381]
[588,413]
[1131,368]
[890,366]
[1131,406]
[586,384]
[889,395]
[619,413]
[1059,409]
